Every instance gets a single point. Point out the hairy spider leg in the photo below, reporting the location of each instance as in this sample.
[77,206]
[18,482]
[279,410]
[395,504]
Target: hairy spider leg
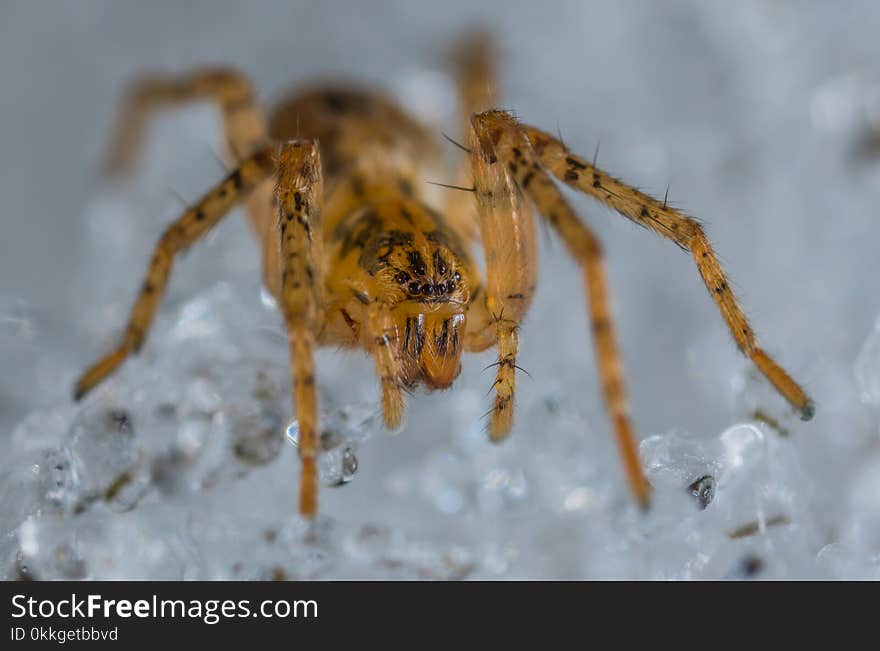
[195,222]
[503,146]
[387,356]
[299,194]
[474,63]
[244,125]
[507,233]
[684,231]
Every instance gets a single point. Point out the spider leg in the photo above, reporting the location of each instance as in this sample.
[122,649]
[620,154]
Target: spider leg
[385,352]
[504,148]
[473,63]
[182,234]
[243,122]
[684,231]
[506,228]
[507,232]
[481,331]
[299,194]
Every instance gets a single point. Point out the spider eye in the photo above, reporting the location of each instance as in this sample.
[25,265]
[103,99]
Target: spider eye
[457,276]
[427,290]
[417,263]
[401,277]
[413,288]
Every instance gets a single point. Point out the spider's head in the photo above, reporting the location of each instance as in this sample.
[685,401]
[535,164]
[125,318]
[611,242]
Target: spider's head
[414,262]
[430,313]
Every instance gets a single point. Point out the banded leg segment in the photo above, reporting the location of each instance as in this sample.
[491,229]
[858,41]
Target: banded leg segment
[500,136]
[244,123]
[299,193]
[507,232]
[386,347]
[244,126]
[474,63]
[182,234]
[684,231]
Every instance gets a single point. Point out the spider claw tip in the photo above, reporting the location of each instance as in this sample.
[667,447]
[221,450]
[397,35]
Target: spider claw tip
[808,410]
[644,496]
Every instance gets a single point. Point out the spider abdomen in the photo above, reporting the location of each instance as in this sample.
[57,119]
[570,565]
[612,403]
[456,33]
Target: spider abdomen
[356,128]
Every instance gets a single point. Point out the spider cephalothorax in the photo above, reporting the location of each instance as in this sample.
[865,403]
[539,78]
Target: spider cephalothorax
[400,253]
[361,252]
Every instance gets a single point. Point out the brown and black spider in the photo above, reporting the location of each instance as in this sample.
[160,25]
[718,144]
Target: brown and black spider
[360,252]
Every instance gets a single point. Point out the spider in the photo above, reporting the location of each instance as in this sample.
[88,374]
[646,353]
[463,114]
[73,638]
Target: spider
[360,252]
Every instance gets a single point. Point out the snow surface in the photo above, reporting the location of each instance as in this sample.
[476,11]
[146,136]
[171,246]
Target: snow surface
[763,119]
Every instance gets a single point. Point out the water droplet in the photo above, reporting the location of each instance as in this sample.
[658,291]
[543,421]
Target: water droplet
[742,444]
[343,430]
[267,299]
[703,490]
[338,466]
[579,499]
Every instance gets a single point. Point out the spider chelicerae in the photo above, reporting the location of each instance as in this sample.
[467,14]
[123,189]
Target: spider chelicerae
[360,252]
